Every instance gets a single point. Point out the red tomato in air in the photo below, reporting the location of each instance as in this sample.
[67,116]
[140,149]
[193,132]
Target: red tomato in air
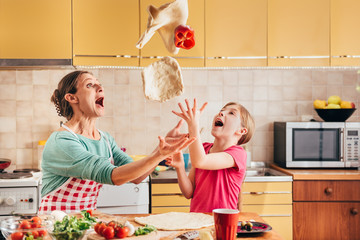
[17,236]
[122,232]
[109,233]
[25,224]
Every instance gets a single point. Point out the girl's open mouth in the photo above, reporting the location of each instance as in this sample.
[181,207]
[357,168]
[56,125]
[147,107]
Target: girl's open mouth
[219,123]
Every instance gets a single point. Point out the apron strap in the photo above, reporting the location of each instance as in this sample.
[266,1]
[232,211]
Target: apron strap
[67,128]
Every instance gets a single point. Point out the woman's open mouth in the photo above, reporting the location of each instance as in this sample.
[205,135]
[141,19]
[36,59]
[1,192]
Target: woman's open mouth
[100,102]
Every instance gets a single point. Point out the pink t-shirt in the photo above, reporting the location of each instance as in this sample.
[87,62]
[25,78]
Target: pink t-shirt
[219,188]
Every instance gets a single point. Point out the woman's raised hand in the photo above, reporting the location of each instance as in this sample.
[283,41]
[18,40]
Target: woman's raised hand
[167,149]
[190,115]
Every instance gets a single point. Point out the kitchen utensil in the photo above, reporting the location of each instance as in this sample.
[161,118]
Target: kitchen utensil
[335,115]
[226,223]
[4,163]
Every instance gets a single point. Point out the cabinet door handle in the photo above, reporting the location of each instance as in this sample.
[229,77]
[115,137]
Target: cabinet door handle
[136,189]
[354,211]
[328,191]
[257,193]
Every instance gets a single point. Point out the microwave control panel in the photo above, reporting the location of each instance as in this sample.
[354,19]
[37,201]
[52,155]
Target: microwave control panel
[352,144]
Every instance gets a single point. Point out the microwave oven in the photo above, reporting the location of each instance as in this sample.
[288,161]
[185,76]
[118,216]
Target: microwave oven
[316,144]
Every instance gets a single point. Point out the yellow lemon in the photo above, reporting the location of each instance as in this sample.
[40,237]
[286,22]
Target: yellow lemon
[334,99]
[319,104]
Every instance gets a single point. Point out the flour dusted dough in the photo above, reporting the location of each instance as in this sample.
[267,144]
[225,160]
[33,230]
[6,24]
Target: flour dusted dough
[177,220]
[162,80]
[164,20]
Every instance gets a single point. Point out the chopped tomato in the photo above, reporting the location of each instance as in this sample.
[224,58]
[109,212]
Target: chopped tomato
[90,212]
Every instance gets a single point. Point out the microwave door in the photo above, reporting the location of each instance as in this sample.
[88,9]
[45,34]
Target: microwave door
[317,147]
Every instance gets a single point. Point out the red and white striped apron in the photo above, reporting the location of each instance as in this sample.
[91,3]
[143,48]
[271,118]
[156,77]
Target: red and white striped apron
[75,194]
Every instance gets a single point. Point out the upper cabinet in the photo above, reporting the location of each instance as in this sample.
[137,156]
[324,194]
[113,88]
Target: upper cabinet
[298,33]
[36,29]
[236,33]
[345,33]
[105,32]
[155,47]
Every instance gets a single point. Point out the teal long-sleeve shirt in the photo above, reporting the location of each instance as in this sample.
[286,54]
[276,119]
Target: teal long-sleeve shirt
[66,156]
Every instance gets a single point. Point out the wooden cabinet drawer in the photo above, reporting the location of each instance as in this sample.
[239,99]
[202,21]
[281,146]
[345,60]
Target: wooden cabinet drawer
[165,188]
[326,190]
[169,200]
[269,210]
[267,187]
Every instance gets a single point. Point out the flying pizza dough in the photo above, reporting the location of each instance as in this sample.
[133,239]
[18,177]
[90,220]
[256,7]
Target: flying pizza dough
[177,220]
[164,20]
[162,80]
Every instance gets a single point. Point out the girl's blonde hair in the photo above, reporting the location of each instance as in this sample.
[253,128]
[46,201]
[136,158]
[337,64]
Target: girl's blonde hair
[247,122]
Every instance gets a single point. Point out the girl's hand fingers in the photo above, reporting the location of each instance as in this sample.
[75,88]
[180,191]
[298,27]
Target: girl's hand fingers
[195,106]
[178,114]
[203,107]
[184,143]
[189,110]
[182,109]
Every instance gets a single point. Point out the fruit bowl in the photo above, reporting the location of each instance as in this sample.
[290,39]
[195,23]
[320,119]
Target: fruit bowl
[335,115]
[18,228]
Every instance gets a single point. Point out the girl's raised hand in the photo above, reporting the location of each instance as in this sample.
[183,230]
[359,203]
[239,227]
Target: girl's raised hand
[190,115]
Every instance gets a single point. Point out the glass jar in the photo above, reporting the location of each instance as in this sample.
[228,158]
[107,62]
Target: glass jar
[41,145]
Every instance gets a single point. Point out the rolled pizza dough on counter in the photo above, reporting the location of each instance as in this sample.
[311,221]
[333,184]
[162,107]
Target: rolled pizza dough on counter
[162,80]
[177,220]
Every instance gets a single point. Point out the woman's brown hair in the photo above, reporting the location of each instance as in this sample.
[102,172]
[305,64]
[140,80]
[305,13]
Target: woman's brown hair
[66,85]
[247,122]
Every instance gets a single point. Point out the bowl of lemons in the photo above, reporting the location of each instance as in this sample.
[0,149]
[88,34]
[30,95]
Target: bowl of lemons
[334,109]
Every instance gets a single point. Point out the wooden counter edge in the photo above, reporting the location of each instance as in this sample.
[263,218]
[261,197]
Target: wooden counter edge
[302,174]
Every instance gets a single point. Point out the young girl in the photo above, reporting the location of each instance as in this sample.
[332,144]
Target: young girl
[218,169]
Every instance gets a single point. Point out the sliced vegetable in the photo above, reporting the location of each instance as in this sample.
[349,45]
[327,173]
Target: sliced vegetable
[184,37]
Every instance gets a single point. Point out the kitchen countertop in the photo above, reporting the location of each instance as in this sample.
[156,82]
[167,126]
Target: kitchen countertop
[320,174]
[170,235]
[170,176]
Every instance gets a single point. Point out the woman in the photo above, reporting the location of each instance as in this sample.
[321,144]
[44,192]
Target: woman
[78,158]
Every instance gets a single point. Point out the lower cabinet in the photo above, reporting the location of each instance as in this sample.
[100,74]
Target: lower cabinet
[273,202]
[326,209]
[167,197]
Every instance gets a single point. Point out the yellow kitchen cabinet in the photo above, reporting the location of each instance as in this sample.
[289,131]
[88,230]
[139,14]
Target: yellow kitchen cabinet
[105,32]
[155,47]
[235,33]
[167,197]
[299,33]
[37,29]
[272,201]
[345,37]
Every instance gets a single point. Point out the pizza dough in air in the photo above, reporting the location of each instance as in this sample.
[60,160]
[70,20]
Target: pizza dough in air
[177,220]
[162,80]
[164,20]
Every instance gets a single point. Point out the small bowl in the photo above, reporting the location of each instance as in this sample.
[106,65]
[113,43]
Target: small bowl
[65,235]
[11,225]
[335,115]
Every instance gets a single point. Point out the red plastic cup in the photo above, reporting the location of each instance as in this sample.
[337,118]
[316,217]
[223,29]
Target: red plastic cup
[226,223]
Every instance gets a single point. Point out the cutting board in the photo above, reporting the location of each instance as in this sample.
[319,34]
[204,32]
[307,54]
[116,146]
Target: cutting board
[157,235]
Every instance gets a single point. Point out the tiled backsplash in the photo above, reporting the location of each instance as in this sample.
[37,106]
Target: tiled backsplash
[27,115]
